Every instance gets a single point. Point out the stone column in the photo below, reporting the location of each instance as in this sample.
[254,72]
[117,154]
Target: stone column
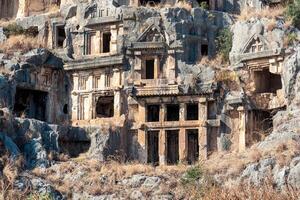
[156,67]
[23,9]
[182,112]
[142,134]
[117,103]
[114,37]
[137,68]
[162,147]
[182,145]
[242,129]
[171,67]
[202,129]
[162,113]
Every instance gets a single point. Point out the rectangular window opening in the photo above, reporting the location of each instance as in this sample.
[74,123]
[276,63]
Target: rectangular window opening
[150,69]
[267,82]
[105,107]
[60,36]
[192,111]
[204,49]
[106,42]
[172,112]
[153,113]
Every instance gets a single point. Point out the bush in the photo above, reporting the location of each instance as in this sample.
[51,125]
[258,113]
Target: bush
[13,29]
[293,12]
[224,43]
[192,175]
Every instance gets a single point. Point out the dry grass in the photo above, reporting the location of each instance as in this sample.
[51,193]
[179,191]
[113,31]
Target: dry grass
[266,192]
[270,13]
[20,43]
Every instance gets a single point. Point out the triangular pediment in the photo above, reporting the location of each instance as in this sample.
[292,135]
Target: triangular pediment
[257,43]
[152,34]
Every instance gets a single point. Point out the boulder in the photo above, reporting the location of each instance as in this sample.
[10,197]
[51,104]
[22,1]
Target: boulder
[104,142]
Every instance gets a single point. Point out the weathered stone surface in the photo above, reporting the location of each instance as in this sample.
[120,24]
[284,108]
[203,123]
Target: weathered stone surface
[38,185]
[9,145]
[294,176]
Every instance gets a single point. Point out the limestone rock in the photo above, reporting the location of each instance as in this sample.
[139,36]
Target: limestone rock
[104,142]
[294,176]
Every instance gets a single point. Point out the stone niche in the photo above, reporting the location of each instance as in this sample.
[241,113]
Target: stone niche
[31,104]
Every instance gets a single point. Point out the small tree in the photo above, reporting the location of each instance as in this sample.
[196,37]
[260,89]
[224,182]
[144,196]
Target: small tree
[224,43]
[293,12]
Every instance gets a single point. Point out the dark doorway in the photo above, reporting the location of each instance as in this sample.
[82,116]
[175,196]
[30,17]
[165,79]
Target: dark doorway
[267,82]
[192,111]
[172,112]
[30,104]
[60,36]
[153,113]
[193,52]
[105,107]
[106,42]
[150,69]
[152,150]
[204,49]
[193,146]
[172,147]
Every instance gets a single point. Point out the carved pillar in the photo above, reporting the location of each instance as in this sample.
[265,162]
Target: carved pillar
[114,37]
[203,129]
[162,147]
[137,68]
[171,73]
[182,112]
[142,134]
[182,145]
[23,10]
[117,104]
[242,129]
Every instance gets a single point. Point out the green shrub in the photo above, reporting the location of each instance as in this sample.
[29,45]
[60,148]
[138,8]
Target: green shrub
[13,29]
[38,196]
[224,43]
[293,12]
[291,38]
[192,175]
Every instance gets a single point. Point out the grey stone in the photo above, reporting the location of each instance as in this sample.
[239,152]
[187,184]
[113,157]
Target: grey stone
[294,176]
[37,57]
[151,182]
[136,194]
[135,181]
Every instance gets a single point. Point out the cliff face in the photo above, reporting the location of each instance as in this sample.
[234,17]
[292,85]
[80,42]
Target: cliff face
[116,80]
